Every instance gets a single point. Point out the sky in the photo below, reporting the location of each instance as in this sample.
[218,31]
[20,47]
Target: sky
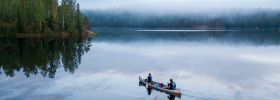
[104,4]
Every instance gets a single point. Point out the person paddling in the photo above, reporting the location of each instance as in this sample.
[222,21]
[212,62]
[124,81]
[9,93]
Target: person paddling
[172,84]
[150,78]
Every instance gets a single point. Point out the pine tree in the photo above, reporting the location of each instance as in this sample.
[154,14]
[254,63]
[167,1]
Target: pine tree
[86,23]
[55,18]
[81,22]
[19,22]
[7,10]
[1,9]
[50,23]
[78,18]
[71,23]
[22,6]
[25,16]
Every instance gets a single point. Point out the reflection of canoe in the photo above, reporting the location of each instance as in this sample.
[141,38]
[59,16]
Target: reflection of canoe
[149,91]
[166,89]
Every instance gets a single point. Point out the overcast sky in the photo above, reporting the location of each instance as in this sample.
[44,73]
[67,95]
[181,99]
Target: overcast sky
[103,4]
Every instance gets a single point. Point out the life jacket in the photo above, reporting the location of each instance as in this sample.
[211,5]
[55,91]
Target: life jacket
[151,78]
[173,85]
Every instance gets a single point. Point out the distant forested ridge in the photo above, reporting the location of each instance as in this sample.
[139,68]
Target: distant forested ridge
[237,18]
[41,16]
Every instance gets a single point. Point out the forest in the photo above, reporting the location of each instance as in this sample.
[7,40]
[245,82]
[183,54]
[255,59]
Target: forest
[234,18]
[41,16]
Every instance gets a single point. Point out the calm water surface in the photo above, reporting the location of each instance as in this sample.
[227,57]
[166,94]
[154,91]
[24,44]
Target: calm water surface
[206,65]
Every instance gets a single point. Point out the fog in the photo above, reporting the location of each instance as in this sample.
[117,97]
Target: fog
[182,13]
[104,4]
[207,8]
[146,10]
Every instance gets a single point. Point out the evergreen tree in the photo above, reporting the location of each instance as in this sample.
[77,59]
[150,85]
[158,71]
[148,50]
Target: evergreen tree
[86,23]
[19,23]
[22,5]
[72,25]
[5,9]
[55,18]
[25,16]
[78,18]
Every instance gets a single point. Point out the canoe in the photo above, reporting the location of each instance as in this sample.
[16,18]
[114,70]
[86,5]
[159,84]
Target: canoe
[164,89]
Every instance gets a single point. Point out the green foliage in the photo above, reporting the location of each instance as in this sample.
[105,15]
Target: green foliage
[6,11]
[8,29]
[4,30]
[44,28]
[86,23]
[51,21]
[19,23]
[63,13]
[79,18]
[38,16]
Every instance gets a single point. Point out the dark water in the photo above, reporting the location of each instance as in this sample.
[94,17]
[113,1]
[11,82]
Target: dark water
[205,64]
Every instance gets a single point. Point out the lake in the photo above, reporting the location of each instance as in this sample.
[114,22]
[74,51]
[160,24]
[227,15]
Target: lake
[235,64]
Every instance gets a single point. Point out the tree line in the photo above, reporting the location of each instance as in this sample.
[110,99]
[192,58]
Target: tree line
[41,16]
[256,18]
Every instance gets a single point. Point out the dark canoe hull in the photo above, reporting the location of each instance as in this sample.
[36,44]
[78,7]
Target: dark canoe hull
[174,92]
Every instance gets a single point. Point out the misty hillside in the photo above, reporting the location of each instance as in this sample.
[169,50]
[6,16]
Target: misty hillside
[142,16]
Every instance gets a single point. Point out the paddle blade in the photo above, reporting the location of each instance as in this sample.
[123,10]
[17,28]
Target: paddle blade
[147,85]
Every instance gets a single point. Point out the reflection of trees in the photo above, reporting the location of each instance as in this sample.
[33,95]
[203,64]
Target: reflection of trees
[41,55]
[256,37]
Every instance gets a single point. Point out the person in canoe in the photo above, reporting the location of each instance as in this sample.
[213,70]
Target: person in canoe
[172,84]
[150,78]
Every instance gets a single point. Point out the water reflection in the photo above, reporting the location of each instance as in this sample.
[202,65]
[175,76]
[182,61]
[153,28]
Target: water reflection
[227,65]
[169,96]
[264,37]
[41,55]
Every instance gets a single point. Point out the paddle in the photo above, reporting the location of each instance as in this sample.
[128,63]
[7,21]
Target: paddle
[147,85]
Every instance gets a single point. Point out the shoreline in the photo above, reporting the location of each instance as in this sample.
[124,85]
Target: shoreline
[62,34]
